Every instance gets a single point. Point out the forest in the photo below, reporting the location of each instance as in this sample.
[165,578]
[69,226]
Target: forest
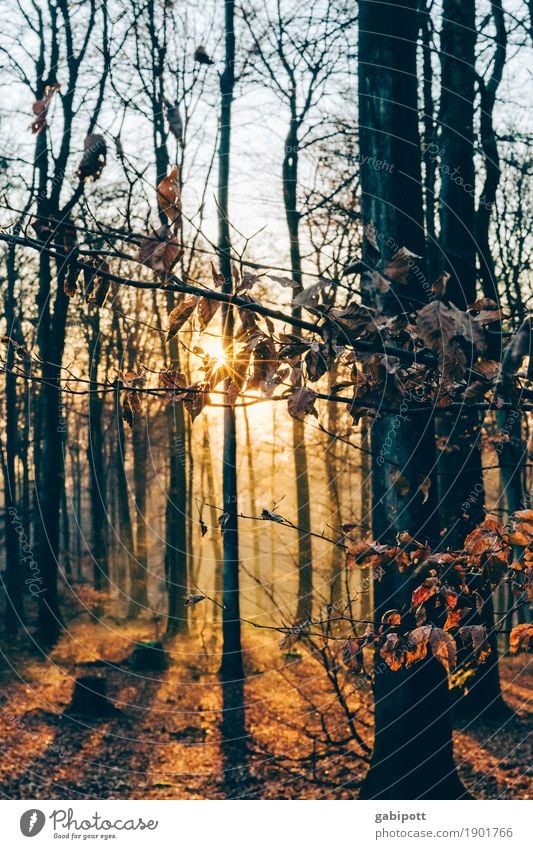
[266,400]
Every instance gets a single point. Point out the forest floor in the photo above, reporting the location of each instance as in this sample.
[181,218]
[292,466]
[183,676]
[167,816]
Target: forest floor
[164,742]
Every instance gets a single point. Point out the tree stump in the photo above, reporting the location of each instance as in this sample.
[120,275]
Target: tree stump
[89,698]
[149,656]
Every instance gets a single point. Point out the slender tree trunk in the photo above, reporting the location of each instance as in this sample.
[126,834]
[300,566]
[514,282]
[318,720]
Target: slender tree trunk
[461,482]
[207,467]
[412,756]
[127,552]
[252,486]
[332,480]
[232,663]
[13,566]
[303,501]
[176,515]
[461,486]
[50,480]
[95,456]
[139,564]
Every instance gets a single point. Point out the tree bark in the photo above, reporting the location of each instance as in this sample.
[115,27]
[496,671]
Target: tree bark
[232,662]
[412,756]
[304,607]
[95,456]
[13,567]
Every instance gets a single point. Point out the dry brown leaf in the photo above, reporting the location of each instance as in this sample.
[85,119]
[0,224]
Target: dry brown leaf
[400,265]
[521,637]
[40,109]
[179,315]
[391,652]
[159,251]
[94,157]
[207,308]
[444,648]
[417,644]
[169,197]
[302,403]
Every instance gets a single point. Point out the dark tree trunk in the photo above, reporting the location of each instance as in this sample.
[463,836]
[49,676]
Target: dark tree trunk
[461,483]
[95,456]
[488,91]
[139,563]
[461,489]
[13,566]
[412,756]
[232,664]
[127,552]
[176,515]
[303,504]
[50,481]
[456,118]
[207,469]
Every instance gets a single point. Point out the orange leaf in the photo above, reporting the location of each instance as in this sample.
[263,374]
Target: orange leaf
[520,638]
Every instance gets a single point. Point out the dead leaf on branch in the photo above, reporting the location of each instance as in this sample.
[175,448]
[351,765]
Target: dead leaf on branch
[94,158]
[429,587]
[175,123]
[272,517]
[521,638]
[131,406]
[477,636]
[160,250]
[352,655]
[354,317]
[440,285]
[302,403]
[207,308]
[286,282]
[193,599]
[444,648]
[179,315]
[175,382]
[96,282]
[169,196]
[40,109]
[392,652]
[417,644]
[441,327]
[400,265]
[239,372]
[197,398]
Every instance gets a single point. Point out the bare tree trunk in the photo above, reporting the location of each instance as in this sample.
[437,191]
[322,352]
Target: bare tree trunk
[13,568]
[207,467]
[303,505]
[95,456]
[332,472]
[232,664]
[461,486]
[252,485]
[413,755]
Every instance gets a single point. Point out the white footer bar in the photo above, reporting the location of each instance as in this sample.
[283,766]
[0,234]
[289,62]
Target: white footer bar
[267,824]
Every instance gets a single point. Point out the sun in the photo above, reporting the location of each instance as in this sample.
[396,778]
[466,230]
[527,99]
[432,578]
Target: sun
[214,349]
